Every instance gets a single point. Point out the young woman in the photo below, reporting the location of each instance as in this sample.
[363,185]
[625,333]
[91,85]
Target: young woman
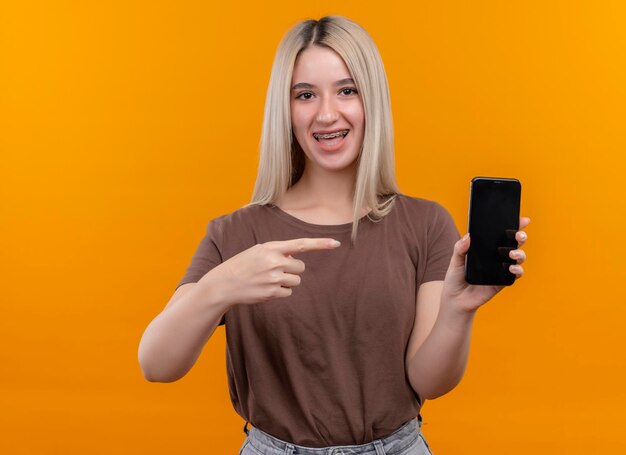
[331,347]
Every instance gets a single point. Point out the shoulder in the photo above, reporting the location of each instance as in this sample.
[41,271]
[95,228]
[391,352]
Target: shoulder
[241,217]
[420,208]
[425,219]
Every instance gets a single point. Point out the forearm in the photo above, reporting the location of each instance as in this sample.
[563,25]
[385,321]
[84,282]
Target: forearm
[439,363]
[173,341]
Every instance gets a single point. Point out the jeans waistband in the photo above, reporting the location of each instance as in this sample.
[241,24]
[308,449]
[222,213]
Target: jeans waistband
[392,444]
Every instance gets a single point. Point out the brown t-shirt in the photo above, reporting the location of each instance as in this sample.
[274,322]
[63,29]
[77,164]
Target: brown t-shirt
[325,366]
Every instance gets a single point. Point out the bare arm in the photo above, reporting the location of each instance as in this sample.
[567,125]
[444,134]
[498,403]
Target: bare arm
[173,341]
[438,354]
[438,349]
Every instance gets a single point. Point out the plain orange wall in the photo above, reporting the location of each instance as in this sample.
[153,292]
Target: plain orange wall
[126,126]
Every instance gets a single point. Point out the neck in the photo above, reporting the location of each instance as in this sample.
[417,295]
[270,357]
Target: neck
[333,189]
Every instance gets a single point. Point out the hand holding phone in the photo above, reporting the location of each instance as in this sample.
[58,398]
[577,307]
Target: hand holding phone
[493,221]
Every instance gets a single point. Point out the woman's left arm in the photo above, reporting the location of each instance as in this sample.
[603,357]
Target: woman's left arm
[439,345]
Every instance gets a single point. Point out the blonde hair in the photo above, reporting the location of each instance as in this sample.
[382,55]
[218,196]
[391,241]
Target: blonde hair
[282,161]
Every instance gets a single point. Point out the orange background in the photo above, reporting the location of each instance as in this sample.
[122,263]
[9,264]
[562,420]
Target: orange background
[126,126]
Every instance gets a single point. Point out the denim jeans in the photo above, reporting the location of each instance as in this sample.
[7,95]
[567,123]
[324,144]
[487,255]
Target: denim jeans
[406,440]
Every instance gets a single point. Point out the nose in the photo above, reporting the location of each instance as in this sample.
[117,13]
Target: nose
[327,113]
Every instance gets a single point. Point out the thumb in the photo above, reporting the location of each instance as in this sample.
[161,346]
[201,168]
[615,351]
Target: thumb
[460,250]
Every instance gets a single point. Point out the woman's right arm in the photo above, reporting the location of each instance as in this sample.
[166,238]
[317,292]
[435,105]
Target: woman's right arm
[172,342]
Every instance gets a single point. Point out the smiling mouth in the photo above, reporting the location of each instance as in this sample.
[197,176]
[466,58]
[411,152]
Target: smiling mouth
[336,134]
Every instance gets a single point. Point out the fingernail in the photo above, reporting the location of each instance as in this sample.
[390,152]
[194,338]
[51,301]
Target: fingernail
[465,237]
[522,235]
[335,243]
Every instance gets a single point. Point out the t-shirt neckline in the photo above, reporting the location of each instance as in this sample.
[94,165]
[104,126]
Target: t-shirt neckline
[325,228]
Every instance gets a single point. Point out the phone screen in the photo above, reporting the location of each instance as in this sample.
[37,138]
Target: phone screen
[493,222]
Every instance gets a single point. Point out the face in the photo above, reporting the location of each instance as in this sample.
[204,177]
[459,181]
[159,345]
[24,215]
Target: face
[327,113]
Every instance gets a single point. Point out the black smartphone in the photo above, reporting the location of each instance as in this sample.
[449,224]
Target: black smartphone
[493,221]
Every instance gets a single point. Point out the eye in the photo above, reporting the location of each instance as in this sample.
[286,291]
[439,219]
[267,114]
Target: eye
[349,91]
[304,96]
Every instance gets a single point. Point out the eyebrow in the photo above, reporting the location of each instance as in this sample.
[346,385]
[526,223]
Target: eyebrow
[299,85]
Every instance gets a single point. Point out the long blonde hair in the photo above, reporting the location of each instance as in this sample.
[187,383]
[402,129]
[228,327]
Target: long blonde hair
[282,161]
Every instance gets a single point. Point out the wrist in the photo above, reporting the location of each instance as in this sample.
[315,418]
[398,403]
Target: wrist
[214,290]
[455,314]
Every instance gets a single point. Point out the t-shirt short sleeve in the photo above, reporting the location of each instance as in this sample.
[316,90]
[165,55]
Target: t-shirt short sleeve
[206,257]
[441,236]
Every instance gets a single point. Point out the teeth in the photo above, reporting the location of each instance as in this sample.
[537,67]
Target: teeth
[331,135]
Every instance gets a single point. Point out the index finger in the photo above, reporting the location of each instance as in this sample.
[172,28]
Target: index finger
[523,222]
[303,245]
